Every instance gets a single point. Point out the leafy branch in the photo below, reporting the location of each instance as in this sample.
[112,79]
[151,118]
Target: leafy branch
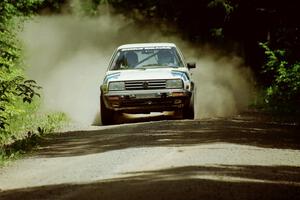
[283,89]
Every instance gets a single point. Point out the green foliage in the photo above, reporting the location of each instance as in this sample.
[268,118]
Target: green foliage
[13,84]
[283,88]
[27,126]
[26,119]
[225,4]
[20,122]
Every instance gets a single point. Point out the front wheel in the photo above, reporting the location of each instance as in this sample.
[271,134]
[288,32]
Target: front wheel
[107,115]
[189,110]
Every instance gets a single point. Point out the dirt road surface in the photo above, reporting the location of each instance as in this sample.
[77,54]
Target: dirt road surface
[248,156]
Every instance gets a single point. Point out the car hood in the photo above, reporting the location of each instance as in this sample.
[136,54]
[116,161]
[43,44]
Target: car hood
[146,74]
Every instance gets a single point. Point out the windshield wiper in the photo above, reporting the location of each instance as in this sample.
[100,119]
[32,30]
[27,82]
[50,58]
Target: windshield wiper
[144,66]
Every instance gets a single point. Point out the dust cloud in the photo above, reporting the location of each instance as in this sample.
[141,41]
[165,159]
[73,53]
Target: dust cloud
[224,86]
[68,56]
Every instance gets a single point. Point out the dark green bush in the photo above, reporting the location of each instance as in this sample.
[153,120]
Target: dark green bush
[282,92]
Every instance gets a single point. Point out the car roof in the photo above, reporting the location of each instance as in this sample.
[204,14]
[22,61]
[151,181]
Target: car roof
[139,45]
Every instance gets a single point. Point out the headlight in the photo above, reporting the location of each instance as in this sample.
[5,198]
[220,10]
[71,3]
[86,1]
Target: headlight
[113,86]
[174,83]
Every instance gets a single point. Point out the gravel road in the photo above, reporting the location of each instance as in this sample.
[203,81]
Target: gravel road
[248,156]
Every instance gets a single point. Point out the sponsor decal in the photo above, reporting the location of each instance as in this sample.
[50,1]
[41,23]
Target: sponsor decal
[112,76]
[180,74]
[144,48]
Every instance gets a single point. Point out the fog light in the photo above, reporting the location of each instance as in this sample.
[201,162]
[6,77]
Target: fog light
[178,94]
[177,101]
[113,98]
[115,104]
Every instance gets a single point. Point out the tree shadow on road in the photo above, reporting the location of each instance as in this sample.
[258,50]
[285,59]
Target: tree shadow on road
[192,182]
[244,130]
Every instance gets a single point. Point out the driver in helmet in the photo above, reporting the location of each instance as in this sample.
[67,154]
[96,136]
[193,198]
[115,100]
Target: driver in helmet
[165,57]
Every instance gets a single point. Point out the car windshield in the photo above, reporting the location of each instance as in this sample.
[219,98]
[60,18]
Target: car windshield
[148,57]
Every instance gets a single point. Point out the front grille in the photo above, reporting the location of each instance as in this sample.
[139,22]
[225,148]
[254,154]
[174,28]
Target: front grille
[145,85]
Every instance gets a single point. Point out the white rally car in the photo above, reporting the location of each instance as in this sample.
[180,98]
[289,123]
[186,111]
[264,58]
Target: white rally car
[144,78]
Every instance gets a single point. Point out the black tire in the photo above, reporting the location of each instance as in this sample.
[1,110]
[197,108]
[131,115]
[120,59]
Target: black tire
[107,115]
[189,110]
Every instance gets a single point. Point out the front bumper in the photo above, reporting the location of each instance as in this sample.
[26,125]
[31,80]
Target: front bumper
[147,101]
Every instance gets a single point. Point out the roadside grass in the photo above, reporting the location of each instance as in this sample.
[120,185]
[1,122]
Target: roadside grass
[26,129]
[287,114]
[260,101]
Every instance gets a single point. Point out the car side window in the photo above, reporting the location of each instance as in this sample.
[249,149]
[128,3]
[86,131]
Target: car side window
[117,61]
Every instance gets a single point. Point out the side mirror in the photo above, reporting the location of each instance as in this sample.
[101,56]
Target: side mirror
[191,65]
